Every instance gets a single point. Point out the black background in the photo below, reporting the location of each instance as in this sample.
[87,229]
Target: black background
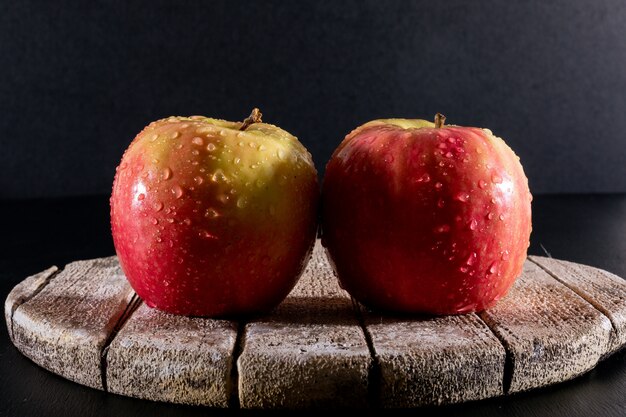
[79,79]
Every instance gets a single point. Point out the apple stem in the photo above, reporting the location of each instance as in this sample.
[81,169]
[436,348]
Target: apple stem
[440,119]
[255,117]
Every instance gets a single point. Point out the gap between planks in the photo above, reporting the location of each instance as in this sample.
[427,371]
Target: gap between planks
[131,307]
[240,343]
[374,376]
[55,271]
[509,360]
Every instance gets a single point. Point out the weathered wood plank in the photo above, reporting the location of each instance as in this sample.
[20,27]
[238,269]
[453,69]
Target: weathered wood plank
[310,352]
[23,291]
[164,357]
[550,333]
[605,291]
[64,327]
[435,360]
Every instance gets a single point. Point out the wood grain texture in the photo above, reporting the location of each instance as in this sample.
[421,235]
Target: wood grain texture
[551,334]
[318,348]
[605,291]
[310,352]
[435,360]
[164,357]
[65,326]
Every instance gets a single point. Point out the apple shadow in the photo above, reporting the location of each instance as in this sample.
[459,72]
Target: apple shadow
[313,311]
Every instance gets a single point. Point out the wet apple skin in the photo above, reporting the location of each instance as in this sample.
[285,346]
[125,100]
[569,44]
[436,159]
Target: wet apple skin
[418,219]
[211,221]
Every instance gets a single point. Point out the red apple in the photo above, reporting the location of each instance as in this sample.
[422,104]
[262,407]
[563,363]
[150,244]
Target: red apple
[421,217]
[214,218]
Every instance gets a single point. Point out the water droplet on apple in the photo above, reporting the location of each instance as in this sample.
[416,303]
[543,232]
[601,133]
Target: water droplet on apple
[449,155]
[482,184]
[473,224]
[471,259]
[493,268]
[441,163]
[206,235]
[141,197]
[490,216]
[505,255]
[158,239]
[281,154]
[211,213]
[237,160]
[389,158]
[260,183]
[463,269]
[197,141]
[195,152]
[262,148]
[187,222]
[175,134]
[222,132]
[496,179]
[462,197]
[218,176]
[438,185]
[444,228]
[242,202]
[210,147]
[155,220]
[154,137]
[178,191]
[158,206]
[501,217]
[253,166]
[424,178]
[167,173]
[441,203]
[199,180]
[442,146]
[170,220]
[452,140]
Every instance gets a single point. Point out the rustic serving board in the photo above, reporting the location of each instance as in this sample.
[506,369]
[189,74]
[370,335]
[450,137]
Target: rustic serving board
[318,348]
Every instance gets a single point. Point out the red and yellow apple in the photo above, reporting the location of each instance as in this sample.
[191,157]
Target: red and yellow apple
[422,217]
[214,218]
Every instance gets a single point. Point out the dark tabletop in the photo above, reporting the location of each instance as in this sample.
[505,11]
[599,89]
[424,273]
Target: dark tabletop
[588,229]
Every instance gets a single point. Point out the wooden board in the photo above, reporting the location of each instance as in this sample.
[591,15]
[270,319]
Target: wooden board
[318,348]
[310,351]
